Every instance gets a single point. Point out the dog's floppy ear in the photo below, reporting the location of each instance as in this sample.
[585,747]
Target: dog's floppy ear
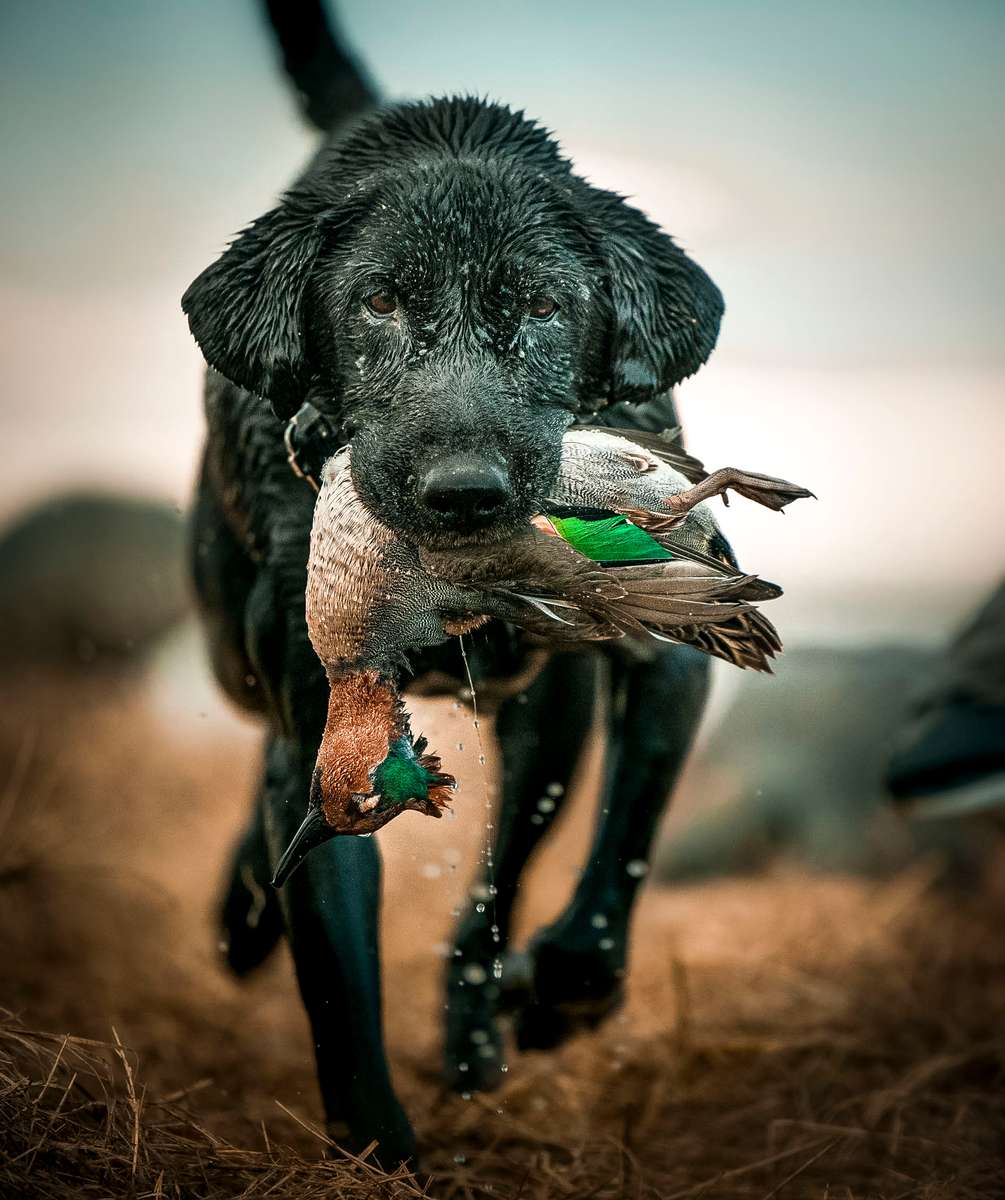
[246,309]
[665,309]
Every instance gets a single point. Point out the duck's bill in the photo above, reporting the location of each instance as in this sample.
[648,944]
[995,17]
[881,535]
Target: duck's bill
[314,831]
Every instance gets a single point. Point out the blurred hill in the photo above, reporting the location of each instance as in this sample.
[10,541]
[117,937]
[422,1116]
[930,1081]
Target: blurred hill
[90,579]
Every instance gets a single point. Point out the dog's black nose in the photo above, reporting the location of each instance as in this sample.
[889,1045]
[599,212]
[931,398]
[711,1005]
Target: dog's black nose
[465,488]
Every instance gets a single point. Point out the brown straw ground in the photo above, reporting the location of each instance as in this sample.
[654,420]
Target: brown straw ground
[784,1037]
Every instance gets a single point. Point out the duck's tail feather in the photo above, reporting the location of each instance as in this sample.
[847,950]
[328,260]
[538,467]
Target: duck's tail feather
[748,640]
[709,611]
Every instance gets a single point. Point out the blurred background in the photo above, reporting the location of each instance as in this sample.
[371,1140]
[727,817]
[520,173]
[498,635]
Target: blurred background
[840,172]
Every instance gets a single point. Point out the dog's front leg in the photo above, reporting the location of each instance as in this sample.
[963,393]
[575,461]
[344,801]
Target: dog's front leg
[331,908]
[578,962]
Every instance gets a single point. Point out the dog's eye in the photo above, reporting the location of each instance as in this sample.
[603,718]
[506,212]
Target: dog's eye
[542,308]
[382,304]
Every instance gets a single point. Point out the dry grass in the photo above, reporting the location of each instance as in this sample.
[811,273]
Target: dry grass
[77,1122]
[784,1037]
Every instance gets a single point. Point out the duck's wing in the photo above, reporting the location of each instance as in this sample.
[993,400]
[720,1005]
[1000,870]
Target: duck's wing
[552,590]
[757,588]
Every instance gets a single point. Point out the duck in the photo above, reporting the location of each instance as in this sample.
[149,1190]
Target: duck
[624,547]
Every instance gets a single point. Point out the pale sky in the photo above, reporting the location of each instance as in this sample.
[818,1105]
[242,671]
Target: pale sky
[838,169]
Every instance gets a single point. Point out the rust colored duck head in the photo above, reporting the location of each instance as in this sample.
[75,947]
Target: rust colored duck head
[369,769]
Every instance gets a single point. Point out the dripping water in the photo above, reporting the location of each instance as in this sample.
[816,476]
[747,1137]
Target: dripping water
[487,857]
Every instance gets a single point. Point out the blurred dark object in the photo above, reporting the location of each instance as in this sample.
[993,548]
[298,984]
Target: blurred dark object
[89,579]
[796,769]
[950,756]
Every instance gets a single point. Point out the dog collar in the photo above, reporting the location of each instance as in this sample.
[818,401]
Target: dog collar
[310,441]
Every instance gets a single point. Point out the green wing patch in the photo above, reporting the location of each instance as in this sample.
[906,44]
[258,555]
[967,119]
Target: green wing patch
[609,539]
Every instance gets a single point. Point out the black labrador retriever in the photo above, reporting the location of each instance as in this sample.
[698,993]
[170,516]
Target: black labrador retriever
[444,290]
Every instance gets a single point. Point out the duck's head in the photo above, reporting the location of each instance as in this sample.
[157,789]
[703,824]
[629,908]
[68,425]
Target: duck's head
[369,768]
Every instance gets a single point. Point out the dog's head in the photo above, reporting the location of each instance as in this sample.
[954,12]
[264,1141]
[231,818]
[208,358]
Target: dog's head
[444,286]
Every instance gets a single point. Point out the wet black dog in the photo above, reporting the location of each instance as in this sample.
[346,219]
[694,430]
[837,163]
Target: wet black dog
[444,288]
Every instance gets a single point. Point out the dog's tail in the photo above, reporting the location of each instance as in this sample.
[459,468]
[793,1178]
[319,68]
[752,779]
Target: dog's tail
[330,84]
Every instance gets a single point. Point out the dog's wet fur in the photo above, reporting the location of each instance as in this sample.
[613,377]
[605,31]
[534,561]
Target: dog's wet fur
[445,288]
[466,215]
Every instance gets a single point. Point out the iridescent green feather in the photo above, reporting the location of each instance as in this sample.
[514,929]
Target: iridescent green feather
[401,776]
[609,539]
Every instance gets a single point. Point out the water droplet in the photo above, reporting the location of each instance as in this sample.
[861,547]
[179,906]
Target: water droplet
[536,819]
[545,805]
[554,789]
[432,870]
[637,868]
[486,1051]
[462,1066]
[598,921]
[479,1037]
[606,943]
[465,1095]
[460,1158]
[474,973]
[479,907]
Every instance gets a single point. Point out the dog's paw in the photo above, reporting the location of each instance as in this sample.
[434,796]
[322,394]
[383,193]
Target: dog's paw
[571,988]
[390,1129]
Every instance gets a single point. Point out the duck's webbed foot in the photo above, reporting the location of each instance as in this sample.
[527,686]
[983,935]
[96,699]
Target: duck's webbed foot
[762,489]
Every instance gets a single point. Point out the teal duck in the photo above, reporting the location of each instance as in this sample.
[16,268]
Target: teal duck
[625,547]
